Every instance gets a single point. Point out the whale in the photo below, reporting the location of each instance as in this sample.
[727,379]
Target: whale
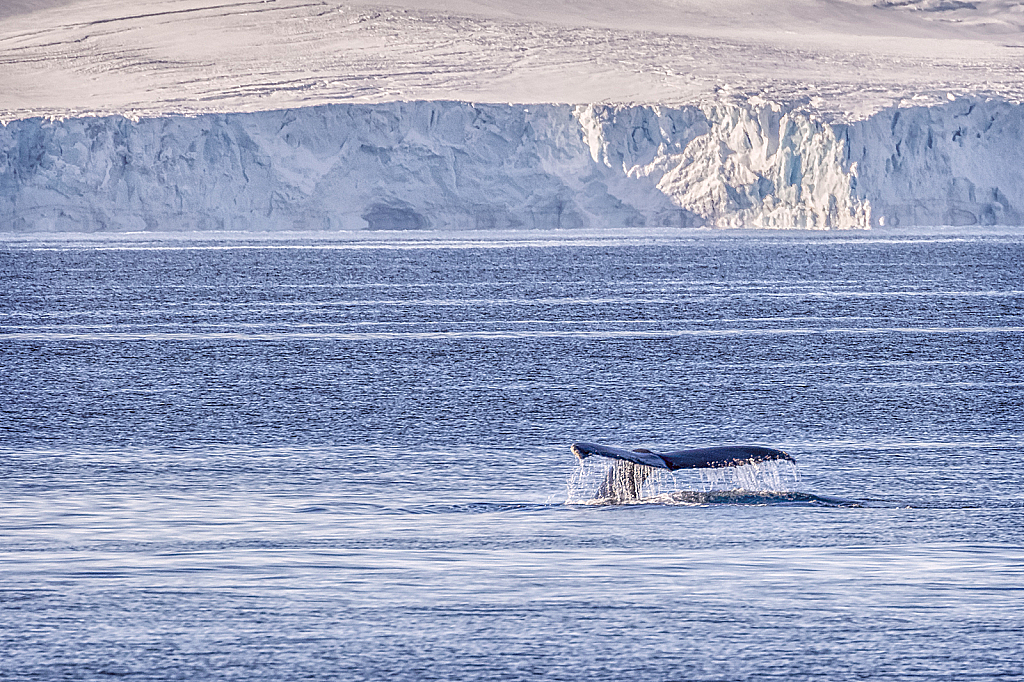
[694,458]
[632,467]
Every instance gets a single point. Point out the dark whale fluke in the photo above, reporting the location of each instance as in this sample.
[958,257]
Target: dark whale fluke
[633,467]
[696,458]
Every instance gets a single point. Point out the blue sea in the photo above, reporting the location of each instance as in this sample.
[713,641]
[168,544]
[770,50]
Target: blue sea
[337,458]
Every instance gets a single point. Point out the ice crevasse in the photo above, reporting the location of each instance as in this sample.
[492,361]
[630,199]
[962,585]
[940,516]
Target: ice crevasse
[459,166]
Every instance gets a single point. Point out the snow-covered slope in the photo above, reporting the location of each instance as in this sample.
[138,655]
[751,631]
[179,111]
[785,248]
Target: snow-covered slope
[323,114]
[839,57]
[451,165]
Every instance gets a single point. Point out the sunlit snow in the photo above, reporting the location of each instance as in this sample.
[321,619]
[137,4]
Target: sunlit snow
[155,56]
[483,115]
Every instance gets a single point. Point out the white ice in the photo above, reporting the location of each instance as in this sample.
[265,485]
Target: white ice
[451,166]
[198,114]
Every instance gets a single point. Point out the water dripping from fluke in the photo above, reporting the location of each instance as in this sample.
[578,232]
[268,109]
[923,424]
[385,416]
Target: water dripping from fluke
[751,475]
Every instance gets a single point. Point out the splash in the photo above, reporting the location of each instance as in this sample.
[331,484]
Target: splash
[692,486]
[772,476]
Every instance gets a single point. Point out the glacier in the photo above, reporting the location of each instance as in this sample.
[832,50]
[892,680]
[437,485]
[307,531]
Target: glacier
[450,165]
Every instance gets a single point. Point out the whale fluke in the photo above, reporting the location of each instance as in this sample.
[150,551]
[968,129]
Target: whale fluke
[695,458]
[633,467]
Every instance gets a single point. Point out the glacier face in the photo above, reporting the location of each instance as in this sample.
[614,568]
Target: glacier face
[460,166]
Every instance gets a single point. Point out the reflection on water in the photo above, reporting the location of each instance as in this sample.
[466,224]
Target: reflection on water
[742,496]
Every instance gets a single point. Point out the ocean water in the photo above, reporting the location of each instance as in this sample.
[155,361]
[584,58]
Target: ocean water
[341,459]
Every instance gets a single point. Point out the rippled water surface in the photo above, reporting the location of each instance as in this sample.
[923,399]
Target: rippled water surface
[349,460]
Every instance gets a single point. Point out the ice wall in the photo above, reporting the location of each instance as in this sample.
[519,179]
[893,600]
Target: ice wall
[454,165]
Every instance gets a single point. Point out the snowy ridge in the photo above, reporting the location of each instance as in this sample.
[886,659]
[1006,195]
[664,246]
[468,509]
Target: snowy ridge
[459,166]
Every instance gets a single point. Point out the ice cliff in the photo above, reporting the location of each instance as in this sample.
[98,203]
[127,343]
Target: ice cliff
[453,165]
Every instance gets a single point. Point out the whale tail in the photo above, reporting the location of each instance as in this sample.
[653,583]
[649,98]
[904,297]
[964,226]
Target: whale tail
[631,468]
[694,458]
